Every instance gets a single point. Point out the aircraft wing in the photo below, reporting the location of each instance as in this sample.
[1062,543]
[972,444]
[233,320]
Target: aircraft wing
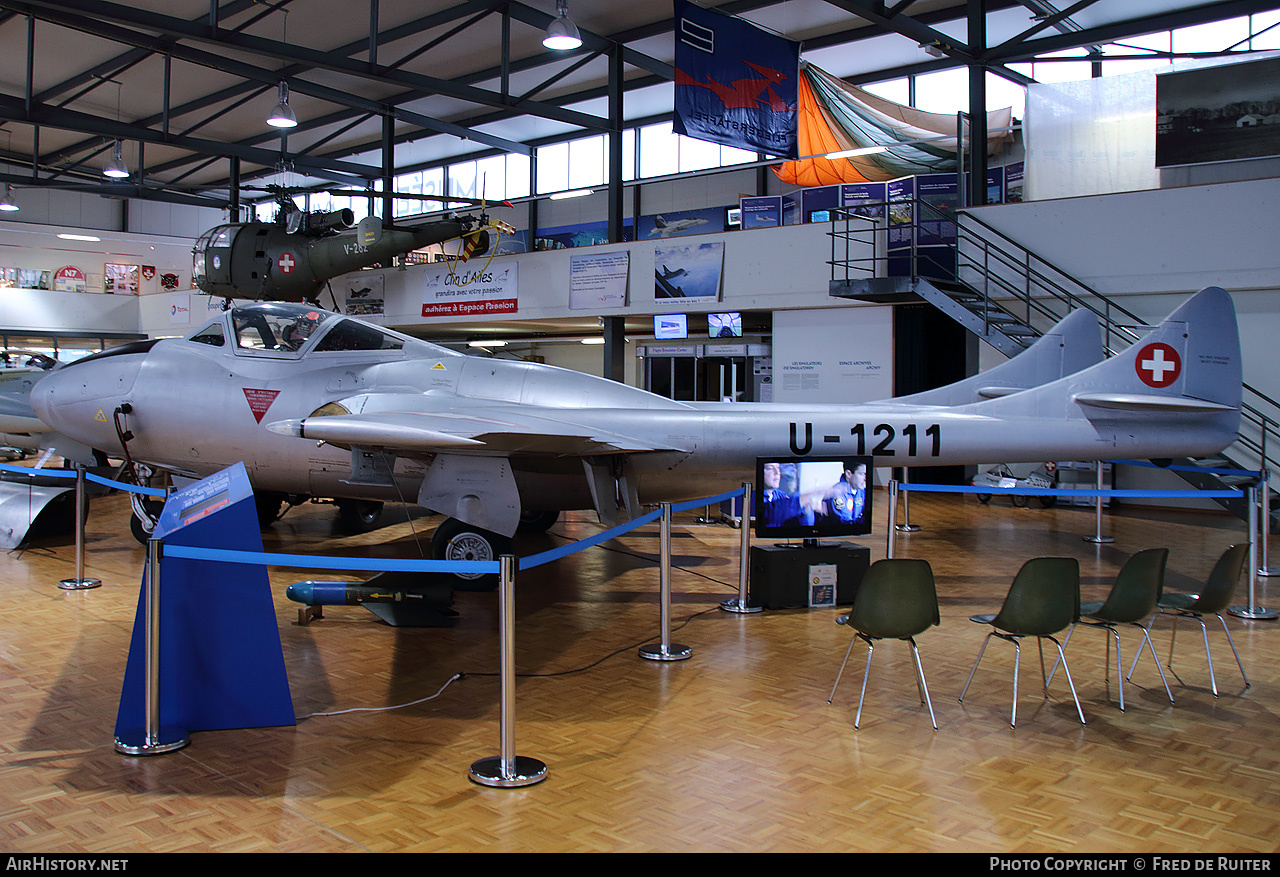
[513,433]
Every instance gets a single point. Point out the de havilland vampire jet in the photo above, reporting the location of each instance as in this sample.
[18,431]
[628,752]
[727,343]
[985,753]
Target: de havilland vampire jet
[317,404]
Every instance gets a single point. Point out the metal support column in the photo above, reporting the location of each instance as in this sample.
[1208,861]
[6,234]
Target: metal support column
[1097,535]
[666,650]
[739,603]
[906,526]
[893,519]
[80,583]
[507,770]
[1253,610]
[151,739]
[1264,521]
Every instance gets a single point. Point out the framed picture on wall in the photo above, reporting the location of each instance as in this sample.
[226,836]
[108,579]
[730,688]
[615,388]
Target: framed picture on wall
[120,279]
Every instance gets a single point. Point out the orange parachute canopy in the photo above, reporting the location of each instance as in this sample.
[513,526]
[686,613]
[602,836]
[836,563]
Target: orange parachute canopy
[834,116]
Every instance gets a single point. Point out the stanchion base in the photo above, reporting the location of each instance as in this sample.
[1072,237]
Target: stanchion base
[669,652]
[1100,540]
[1257,613]
[1268,571]
[526,772]
[906,528]
[135,742]
[79,584]
[736,605]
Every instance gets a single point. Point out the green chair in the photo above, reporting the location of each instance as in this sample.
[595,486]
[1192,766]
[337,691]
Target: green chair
[896,600]
[1043,600]
[1133,598]
[1212,600]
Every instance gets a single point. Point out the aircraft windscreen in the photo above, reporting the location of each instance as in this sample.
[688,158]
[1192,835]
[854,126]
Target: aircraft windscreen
[350,335]
[275,326]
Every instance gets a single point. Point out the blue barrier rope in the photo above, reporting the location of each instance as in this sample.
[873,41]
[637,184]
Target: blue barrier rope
[303,561]
[67,473]
[1032,491]
[366,564]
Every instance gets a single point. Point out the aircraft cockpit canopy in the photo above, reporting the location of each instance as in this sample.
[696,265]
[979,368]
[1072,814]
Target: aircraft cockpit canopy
[218,238]
[275,326]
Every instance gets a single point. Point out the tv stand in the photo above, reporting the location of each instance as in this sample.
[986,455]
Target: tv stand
[780,573]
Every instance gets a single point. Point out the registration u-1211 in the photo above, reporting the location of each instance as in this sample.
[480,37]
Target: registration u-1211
[317,404]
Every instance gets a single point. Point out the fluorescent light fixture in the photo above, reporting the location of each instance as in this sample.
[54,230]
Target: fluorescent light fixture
[282,116]
[864,150]
[79,237]
[562,34]
[592,340]
[6,203]
[570,193]
[116,169]
[486,343]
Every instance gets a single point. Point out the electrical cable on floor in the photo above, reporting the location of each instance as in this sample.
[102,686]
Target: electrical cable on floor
[382,709]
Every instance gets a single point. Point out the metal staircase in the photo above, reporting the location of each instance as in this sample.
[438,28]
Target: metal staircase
[1008,296]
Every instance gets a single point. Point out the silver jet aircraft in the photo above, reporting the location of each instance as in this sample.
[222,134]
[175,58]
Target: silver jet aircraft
[317,404]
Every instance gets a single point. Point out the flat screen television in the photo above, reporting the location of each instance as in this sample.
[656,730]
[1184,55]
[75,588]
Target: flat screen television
[724,325]
[811,497]
[819,215]
[670,326]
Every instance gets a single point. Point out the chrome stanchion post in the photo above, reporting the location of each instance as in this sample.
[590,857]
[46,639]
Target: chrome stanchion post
[906,526]
[893,518]
[1253,611]
[1097,536]
[80,583]
[152,739]
[666,650]
[507,770]
[1264,524]
[739,603]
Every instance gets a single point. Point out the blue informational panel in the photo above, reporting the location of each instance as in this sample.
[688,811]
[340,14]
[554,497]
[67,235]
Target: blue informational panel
[762,211]
[220,660]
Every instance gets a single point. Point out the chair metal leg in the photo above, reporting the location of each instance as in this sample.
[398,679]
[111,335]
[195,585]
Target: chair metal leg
[1232,643]
[865,673]
[852,640]
[1119,672]
[1146,637]
[1065,641]
[981,652]
[1204,630]
[1147,633]
[923,685]
[1067,670]
[1017,658]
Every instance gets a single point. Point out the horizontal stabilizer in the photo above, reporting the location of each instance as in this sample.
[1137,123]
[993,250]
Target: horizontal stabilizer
[1139,402]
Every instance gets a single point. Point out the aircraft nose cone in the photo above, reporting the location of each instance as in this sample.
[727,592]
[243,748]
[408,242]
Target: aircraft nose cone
[41,400]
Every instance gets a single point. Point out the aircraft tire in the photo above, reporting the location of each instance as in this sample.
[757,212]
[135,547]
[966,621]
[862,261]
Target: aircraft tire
[454,540]
[136,527]
[359,515]
[1018,500]
[983,498]
[533,521]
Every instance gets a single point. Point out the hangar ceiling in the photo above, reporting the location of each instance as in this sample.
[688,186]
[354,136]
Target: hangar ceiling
[186,85]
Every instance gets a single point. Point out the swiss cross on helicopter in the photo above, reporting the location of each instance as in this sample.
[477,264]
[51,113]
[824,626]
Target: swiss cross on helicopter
[293,257]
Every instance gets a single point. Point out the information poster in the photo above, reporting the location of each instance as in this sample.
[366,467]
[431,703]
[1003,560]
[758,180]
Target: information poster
[690,271]
[120,279]
[598,280]
[863,199]
[461,291]
[764,211]
[69,278]
[363,293]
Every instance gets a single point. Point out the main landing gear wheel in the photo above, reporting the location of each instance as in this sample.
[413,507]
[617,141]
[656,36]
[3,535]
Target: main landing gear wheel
[533,521]
[358,515]
[146,512]
[454,540]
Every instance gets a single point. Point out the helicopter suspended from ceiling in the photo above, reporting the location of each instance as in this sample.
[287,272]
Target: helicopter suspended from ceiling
[292,258]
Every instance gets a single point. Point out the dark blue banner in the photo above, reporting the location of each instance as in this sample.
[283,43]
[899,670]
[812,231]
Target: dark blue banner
[735,84]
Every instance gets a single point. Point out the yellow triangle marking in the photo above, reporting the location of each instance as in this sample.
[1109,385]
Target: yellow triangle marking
[101,416]
[438,365]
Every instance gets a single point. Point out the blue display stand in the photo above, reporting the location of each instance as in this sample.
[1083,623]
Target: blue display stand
[221,664]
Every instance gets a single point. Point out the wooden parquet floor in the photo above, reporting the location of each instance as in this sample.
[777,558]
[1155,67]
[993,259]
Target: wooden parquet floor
[735,749]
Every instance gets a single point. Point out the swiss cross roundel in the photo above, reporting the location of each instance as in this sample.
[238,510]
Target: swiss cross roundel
[1158,364]
[286,262]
